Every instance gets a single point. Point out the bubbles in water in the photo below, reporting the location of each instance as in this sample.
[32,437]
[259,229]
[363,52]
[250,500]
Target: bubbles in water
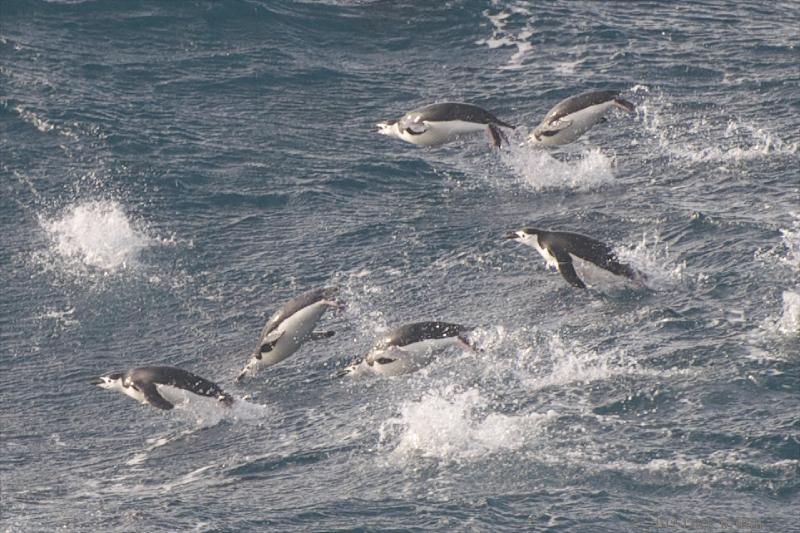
[97,234]
[788,323]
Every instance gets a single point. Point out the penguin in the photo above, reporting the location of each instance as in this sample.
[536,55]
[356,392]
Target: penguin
[161,386]
[290,327]
[560,247]
[437,124]
[574,116]
[409,347]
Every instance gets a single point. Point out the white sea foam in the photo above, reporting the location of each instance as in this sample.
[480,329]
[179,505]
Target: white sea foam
[788,256]
[42,124]
[456,425]
[97,234]
[504,36]
[791,241]
[789,322]
[708,137]
[538,170]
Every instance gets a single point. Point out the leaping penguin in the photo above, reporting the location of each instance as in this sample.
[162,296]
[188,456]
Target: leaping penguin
[559,247]
[437,124]
[290,327]
[575,115]
[407,348]
[162,387]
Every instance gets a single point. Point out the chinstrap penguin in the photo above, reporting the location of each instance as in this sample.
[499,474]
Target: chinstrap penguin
[162,387]
[574,116]
[559,247]
[437,124]
[407,348]
[290,327]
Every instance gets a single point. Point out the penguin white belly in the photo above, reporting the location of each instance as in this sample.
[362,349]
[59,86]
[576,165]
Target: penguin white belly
[174,395]
[441,132]
[580,122]
[550,260]
[133,393]
[410,357]
[294,331]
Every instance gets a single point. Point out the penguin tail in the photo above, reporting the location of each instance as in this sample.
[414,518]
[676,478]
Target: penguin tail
[506,125]
[624,105]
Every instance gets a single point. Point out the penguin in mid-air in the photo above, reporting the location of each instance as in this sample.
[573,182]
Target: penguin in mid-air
[560,247]
[574,116]
[290,327]
[409,347]
[437,124]
[162,387]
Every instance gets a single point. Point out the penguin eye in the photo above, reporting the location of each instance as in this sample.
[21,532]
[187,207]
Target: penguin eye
[384,360]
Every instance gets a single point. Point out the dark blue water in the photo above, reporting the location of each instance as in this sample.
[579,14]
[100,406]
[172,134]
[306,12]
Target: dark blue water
[172,172]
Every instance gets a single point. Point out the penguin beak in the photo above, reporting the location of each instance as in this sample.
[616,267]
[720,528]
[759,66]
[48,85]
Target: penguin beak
[511,235]
[96,381]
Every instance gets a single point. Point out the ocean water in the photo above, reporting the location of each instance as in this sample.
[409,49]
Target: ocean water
[174,171]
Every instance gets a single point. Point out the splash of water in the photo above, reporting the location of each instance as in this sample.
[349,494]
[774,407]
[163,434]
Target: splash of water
[97,234]
[789,322]
[651,257]
[705,137]
[539,170]
[456,425]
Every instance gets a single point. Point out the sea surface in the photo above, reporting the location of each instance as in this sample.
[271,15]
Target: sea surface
[172,172]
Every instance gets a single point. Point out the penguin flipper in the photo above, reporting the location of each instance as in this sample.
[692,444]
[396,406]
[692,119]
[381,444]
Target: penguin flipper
[319,335]
[416,128]
[566,268]
[269,343]
[152,396]
[556,126]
